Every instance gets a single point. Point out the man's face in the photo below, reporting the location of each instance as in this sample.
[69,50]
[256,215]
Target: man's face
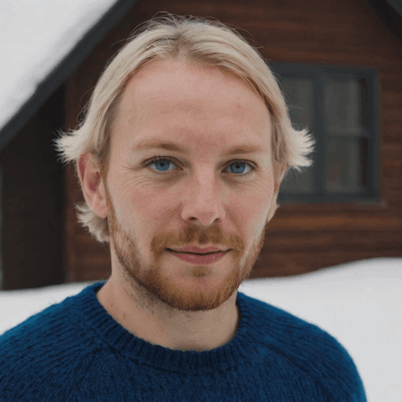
[202,197]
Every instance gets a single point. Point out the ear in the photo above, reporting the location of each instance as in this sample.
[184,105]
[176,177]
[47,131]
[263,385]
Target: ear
[92,184]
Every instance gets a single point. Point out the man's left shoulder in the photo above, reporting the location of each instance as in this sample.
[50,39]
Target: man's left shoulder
[327,361]
[313,350]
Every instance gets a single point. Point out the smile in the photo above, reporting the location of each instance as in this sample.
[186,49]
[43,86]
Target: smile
[186,252]
[199,259]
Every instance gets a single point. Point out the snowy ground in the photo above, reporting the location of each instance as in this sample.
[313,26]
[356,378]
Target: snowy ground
[359,303]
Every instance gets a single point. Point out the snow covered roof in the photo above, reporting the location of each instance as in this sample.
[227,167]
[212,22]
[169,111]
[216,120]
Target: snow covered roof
[42,43]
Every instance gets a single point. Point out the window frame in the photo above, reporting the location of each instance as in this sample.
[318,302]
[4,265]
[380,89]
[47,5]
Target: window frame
[318,74]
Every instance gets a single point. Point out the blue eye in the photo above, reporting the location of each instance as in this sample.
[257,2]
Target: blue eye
[239,165]
[162,164]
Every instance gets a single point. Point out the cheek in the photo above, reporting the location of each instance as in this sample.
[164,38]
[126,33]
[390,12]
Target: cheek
[147,204]
[249,212]
[254,200]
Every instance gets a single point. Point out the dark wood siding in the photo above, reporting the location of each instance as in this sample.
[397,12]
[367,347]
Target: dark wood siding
[303,237]
[33,202]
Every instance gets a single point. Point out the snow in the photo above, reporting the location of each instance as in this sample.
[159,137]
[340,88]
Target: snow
[358,303]
[35,36]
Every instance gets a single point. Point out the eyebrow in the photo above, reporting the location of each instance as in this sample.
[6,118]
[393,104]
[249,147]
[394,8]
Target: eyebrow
[171,146]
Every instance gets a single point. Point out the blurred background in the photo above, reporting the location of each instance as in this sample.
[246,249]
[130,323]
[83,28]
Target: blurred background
[333,251]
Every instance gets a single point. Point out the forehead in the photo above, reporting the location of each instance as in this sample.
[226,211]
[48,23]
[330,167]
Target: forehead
[173,99]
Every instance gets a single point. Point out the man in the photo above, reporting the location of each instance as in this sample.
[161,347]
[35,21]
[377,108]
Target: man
[180,160]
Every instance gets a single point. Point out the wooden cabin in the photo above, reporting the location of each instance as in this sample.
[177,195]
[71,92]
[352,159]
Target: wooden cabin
[339,65]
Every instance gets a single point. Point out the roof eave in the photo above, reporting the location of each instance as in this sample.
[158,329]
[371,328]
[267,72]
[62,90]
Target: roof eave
[396,5]
[64,70]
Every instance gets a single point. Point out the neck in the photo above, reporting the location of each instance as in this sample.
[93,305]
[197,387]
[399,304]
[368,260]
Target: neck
[150,319]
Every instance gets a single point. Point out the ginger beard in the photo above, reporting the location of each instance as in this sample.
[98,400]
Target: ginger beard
[152,281]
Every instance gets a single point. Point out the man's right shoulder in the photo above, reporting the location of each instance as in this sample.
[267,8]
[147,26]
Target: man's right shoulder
[47,346]
[35,327]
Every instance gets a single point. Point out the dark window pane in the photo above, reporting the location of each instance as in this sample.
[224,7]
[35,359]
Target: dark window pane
[346,165]
[299,98]
[298,183]
[344,102]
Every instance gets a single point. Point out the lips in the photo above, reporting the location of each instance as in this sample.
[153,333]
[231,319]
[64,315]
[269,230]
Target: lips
[198,250]
[187,252]
[199,259]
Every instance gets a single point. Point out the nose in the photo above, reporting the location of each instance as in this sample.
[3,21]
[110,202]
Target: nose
[203,202]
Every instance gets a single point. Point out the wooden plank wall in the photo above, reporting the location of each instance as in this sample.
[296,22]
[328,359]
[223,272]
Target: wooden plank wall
[33,203]
[301,238]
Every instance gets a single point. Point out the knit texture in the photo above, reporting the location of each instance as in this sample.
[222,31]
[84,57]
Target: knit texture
[75,351]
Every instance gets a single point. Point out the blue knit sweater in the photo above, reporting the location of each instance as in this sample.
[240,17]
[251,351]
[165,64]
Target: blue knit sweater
[75,351]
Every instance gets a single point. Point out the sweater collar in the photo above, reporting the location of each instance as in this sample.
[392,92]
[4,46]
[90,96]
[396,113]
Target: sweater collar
[102,325]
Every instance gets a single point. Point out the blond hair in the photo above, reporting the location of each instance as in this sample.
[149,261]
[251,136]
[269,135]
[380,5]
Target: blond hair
[193,39]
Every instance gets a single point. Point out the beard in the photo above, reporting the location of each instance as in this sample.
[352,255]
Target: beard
[153,283]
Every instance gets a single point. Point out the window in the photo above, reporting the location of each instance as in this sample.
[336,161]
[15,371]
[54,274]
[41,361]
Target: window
[339,106]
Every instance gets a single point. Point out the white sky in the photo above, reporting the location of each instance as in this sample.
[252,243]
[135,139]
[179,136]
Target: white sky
[358,303]
[34,38]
